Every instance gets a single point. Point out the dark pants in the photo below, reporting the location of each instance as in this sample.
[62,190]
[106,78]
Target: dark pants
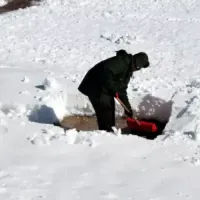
[105,111]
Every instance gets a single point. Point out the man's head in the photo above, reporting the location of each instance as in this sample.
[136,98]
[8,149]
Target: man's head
[140,60]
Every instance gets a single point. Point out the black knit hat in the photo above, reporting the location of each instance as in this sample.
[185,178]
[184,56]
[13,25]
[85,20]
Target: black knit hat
[140,60]
[121,52]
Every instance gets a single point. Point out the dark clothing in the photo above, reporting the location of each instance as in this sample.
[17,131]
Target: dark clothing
[109,77]
[105,111]
[105,79]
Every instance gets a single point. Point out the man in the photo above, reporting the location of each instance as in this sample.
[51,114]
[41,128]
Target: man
[107,79]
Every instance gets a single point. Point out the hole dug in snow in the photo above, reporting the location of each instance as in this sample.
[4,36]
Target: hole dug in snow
[151,109]
[155,110]
[87,123]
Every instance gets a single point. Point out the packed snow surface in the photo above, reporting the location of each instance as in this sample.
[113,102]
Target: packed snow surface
[46,51]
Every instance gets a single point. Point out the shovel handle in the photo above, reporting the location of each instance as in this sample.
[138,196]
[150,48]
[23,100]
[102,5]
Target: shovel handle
[122,104]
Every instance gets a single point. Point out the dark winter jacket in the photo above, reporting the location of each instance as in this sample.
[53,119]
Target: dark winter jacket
[111,76]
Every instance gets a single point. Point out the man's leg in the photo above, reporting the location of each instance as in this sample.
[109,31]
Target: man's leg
[105,112]
[107,117]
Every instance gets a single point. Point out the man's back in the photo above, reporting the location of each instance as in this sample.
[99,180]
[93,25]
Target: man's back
[94,82]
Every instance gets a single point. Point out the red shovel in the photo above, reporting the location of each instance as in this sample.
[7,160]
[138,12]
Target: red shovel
[138,125]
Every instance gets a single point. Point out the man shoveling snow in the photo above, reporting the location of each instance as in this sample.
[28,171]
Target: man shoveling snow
[107,79]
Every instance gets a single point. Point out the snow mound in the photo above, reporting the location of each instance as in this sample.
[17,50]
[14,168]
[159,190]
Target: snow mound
[49,135]
[53,110]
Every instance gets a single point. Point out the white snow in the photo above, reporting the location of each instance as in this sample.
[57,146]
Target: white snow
[3,2]
[46,51]
[25,79]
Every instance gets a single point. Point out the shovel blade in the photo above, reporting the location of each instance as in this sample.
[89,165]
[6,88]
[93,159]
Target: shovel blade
[142,126]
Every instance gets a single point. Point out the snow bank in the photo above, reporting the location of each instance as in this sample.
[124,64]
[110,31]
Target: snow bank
[51,134]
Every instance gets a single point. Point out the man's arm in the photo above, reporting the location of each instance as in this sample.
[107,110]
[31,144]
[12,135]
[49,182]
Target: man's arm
[114,70]
[122,95]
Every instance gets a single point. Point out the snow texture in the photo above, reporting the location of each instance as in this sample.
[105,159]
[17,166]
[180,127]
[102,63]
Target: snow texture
[45,52]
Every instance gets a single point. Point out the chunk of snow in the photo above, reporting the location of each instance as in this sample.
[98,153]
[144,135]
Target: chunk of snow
[50,83]
[25,80]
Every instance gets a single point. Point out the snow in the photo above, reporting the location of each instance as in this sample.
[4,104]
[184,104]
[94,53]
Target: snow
[46,51]
[3,2]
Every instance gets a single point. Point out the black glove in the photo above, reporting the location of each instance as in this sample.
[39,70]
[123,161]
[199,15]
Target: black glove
[128,114]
